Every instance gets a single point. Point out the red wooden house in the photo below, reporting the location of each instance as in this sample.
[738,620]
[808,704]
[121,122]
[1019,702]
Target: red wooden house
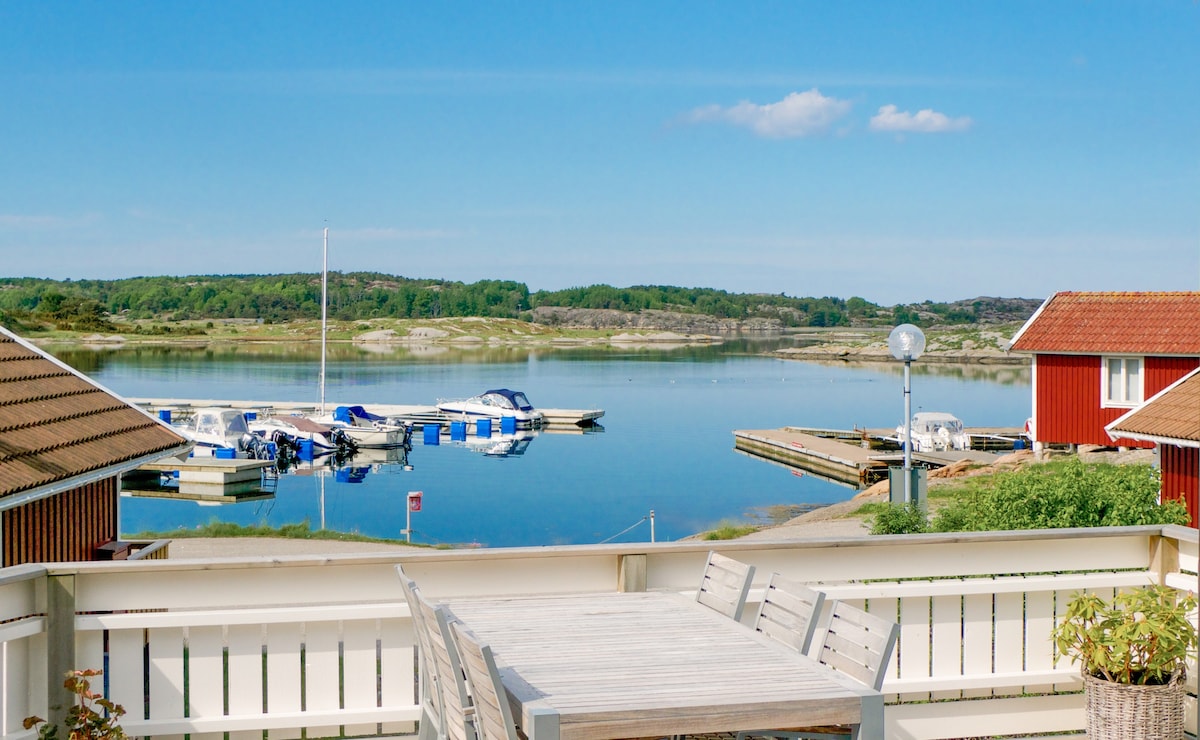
[1171,420]
[1096,356]
[64,443]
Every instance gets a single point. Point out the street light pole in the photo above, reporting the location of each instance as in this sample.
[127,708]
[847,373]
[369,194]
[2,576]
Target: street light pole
[907,342]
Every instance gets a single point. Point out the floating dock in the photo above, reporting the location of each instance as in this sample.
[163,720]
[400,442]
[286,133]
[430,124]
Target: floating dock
[860,457]
[201,479]
[418,416]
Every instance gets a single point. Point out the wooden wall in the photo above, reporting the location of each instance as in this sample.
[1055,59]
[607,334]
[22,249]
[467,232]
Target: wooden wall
[1181,477]
[62,528]
[1067,397]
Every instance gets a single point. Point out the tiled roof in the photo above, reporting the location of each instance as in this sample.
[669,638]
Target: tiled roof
[1172,414]
[56,425]
[1163,324]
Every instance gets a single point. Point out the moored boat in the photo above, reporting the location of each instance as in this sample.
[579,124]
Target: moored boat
[496,404]
[936,431]
[223,432]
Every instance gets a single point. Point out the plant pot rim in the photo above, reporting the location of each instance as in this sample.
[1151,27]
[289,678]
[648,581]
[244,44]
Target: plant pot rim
[1178,676]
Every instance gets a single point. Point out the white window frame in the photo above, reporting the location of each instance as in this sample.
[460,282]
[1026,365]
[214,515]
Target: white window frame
[1106,393]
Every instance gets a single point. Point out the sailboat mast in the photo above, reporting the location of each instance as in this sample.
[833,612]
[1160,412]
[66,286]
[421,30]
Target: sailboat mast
[324,311]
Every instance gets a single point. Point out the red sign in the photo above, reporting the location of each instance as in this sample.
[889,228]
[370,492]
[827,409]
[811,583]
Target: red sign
[414,500]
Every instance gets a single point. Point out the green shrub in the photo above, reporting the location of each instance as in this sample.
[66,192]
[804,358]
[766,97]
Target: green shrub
[1062,495]
[899,519]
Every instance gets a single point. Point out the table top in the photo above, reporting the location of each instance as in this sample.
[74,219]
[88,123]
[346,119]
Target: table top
[617,665]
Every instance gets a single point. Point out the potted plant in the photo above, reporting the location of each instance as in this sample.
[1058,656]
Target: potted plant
[1133,652]
[91,717]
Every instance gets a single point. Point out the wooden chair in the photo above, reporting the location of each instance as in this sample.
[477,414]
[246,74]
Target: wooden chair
[789,612]
[432,711]
[457,720]
[724,585]
[493,716]
[856,643]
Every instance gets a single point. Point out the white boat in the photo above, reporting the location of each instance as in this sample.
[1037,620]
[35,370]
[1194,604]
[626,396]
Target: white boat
[935,431]
[223,432]
[291,431]
[367,429]
[495,404]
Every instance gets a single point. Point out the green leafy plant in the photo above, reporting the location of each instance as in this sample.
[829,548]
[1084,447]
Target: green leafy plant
[1142,636]
[84,721]
[899,519]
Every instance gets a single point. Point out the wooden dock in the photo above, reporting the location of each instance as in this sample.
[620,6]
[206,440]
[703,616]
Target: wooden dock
[856,457]
[201,479]
[416,415]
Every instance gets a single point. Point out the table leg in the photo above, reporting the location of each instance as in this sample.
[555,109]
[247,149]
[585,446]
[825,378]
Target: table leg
[871,726]
[545,725]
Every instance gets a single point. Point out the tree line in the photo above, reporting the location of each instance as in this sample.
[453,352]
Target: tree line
[87,305]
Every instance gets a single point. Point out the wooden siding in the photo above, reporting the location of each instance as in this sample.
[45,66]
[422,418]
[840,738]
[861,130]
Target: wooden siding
[1067,397]
[1181,477]
[61,528]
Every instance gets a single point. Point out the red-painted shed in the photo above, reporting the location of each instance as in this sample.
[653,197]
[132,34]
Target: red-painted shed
[1097,355]
[1171,420]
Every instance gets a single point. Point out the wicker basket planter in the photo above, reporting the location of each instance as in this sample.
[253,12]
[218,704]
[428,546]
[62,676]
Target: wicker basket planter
[1118,711]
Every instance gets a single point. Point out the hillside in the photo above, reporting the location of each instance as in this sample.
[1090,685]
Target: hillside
[175,305]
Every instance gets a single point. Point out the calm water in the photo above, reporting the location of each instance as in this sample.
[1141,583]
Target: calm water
[666,443]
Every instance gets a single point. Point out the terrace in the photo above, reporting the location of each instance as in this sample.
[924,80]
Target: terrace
[324,647]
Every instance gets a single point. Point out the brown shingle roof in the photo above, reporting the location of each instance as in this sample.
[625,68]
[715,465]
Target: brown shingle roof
[1165,324]
[1173,414]
[56,425]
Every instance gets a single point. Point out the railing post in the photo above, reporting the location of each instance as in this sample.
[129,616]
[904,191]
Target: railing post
[1164,557]
[631,573]
[60,645]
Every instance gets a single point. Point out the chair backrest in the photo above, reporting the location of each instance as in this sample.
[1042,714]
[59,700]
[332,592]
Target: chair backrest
[858,644]
[725,584]
[431,694]
[456,699]
[493,716]
[789,612]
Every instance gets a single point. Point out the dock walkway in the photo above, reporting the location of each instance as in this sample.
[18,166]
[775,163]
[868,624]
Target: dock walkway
[852,456]
[417,415]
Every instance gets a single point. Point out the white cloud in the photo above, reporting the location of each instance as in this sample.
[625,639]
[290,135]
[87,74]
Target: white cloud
[798,114]
[926,121]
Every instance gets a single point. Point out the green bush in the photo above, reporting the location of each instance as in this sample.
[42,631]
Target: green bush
[1062,495]
[729,531]
[899,519]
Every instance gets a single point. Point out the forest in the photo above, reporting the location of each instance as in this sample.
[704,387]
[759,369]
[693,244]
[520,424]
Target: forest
[90,305]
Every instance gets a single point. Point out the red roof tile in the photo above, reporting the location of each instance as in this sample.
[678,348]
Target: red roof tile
[1161,324]
[56,425]
[1172,414]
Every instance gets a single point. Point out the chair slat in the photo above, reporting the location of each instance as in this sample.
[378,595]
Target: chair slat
[725,584]
[493,717]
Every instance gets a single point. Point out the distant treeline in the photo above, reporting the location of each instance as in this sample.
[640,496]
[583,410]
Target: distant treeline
[87,305]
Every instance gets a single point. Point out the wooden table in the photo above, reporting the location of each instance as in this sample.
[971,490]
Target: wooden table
[622,665]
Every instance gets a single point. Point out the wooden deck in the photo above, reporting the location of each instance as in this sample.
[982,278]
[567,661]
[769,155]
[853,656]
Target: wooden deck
[855,457]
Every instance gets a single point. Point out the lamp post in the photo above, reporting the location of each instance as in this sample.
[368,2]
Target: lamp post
[907,342]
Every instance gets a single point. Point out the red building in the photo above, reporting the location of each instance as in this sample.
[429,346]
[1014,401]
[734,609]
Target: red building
[1096,356]
[1171,420]
[64,443]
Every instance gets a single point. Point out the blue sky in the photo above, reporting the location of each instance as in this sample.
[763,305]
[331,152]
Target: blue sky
[894,151]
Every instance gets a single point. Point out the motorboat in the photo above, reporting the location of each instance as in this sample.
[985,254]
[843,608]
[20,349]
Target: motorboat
[300,435]
[496,404]
[935,431]
[367,429]
[223,433]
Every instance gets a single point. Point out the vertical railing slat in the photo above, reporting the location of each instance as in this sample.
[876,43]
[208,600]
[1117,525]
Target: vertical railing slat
[322,674]
[126,671]
[947,641]
[915,640]
[359,666]
[978,638]
[283,674]
[206,676]
[245,645]
[397,658]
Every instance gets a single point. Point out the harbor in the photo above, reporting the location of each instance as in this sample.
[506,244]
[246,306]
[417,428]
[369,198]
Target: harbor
[861,457]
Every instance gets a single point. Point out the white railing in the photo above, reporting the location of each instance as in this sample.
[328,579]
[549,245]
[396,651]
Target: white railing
[324,646]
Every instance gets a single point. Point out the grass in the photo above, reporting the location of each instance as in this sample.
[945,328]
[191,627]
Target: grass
[727,530]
